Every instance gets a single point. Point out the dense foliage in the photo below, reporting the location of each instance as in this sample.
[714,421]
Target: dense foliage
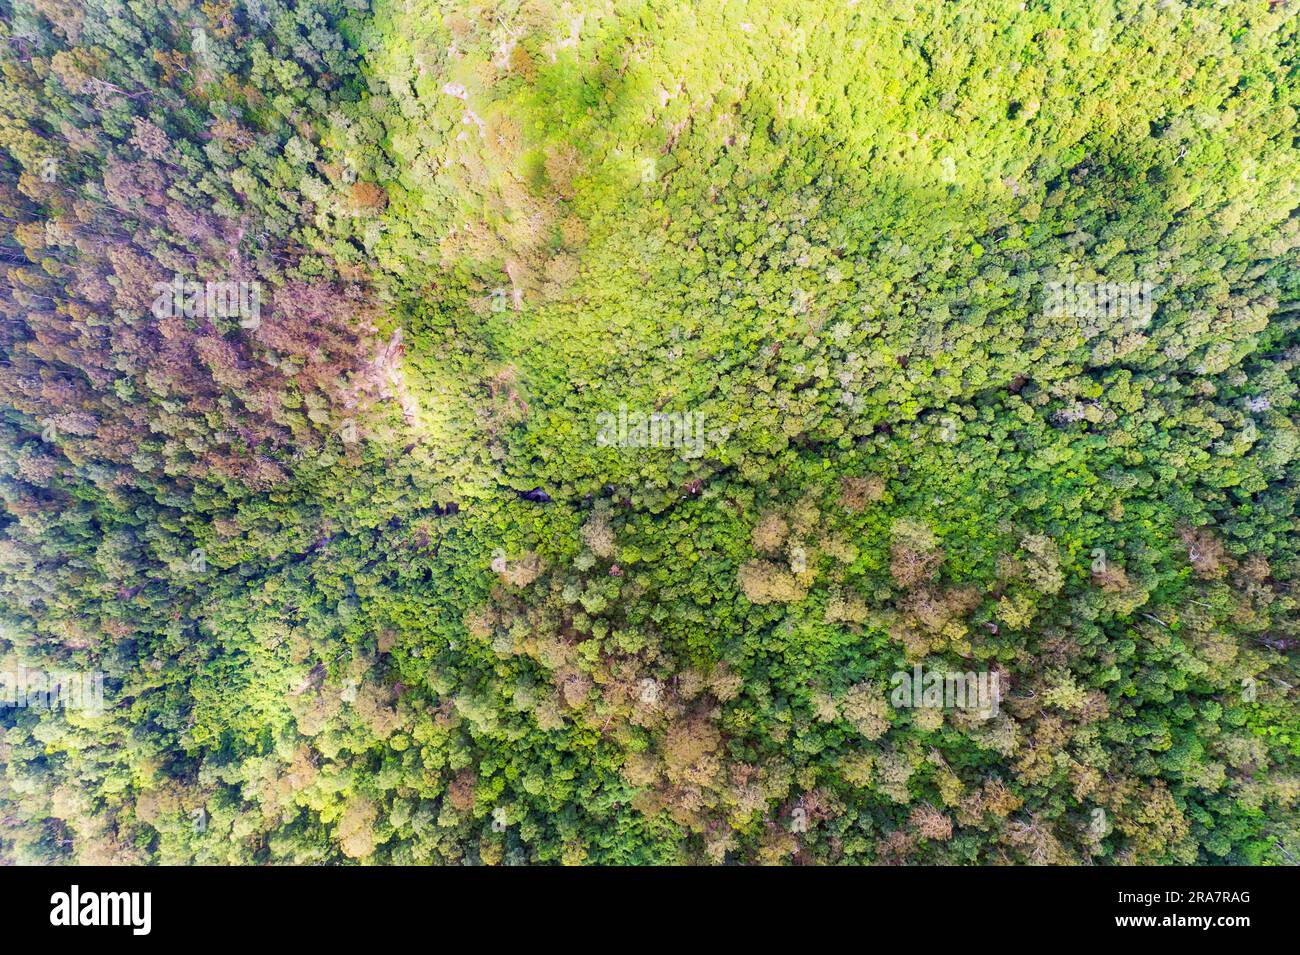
[334,625]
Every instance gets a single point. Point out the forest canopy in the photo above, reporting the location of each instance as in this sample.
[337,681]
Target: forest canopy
[649,432]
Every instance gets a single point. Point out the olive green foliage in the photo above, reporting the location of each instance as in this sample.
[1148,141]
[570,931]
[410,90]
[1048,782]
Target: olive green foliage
[828,229]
